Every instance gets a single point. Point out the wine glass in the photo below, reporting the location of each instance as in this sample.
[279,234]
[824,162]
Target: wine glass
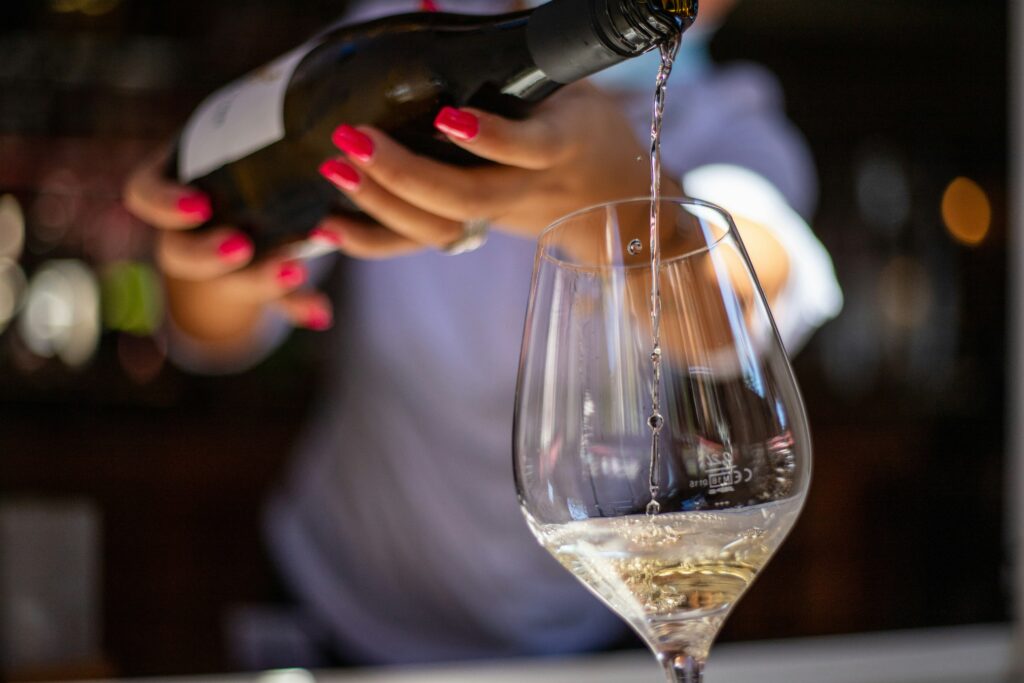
[733,457]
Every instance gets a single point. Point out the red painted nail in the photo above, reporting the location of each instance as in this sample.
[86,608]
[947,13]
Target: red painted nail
[341,174]
[457,123]
[331,238]
[319,318]
[428,6]
[195,205]
[291,274]
[235,249]
[352,142]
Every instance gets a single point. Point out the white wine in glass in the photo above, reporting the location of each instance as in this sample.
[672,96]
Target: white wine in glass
[730,468]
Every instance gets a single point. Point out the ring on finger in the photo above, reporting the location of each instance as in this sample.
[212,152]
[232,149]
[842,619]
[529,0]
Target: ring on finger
[474,235]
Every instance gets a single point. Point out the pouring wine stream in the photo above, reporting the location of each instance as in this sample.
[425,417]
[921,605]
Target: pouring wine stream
[669,50]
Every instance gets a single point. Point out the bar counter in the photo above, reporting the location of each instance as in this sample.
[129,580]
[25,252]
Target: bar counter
[968,654]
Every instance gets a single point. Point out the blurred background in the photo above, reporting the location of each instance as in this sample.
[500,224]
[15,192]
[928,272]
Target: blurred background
[130,492]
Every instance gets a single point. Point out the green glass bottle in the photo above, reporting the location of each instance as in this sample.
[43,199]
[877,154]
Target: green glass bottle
[255,145]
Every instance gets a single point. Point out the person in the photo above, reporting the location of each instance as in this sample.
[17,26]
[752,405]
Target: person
[397,529]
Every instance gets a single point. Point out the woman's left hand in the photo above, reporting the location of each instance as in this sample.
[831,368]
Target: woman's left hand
[575,150]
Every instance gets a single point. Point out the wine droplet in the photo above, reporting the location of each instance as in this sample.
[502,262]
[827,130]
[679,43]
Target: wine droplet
[656,354]
[656,422]
[635,247]
[653,507]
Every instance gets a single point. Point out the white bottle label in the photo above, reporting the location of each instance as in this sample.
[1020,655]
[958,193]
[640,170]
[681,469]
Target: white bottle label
[238,119]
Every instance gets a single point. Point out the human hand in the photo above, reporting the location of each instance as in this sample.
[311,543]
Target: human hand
[575,150]
[216,292]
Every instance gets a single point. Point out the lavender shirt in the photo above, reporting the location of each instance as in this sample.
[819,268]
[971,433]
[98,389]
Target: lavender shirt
[398,525]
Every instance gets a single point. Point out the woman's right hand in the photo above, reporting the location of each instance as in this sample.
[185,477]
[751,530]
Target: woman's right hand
[216,293]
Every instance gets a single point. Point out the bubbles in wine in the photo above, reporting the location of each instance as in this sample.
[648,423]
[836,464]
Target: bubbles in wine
[674,576]
[635,247]
[656,422]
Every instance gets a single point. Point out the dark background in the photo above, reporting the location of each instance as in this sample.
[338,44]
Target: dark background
[904,525]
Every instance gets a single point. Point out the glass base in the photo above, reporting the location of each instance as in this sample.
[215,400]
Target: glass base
[682,668]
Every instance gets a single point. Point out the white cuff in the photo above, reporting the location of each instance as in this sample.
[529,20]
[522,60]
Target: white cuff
[811,295]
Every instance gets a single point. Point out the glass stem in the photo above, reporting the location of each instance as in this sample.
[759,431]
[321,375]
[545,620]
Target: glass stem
[683,668]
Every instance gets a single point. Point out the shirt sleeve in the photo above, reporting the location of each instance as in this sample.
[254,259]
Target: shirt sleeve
[811,294]
[727,136]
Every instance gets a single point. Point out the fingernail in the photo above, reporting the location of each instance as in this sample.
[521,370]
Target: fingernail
[235,249]
[351,141]
[457,123]
[195,205]
[319,318]
[341,174]
[428,6]
[330,238]
[291,274]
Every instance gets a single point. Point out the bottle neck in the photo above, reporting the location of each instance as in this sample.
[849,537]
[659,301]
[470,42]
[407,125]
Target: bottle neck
[572,39]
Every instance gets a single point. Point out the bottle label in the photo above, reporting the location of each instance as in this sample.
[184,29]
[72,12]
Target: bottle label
[238,119]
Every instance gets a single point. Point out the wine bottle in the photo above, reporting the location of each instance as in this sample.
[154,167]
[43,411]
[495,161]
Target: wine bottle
[254,146]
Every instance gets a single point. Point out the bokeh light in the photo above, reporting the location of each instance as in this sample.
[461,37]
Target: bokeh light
[966,211]
[92,8]
[141,358]
[883,191]
[132,299]
[61,316]
[12,289]
[12,227]
[58,204]
[905,293]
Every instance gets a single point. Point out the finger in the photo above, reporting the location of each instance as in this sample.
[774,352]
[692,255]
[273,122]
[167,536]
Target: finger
[162,203]
[458,194]
[195,257]
[274,278]
[390,211]
[363,241]
[533,143]
[265,281]
[311,310]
